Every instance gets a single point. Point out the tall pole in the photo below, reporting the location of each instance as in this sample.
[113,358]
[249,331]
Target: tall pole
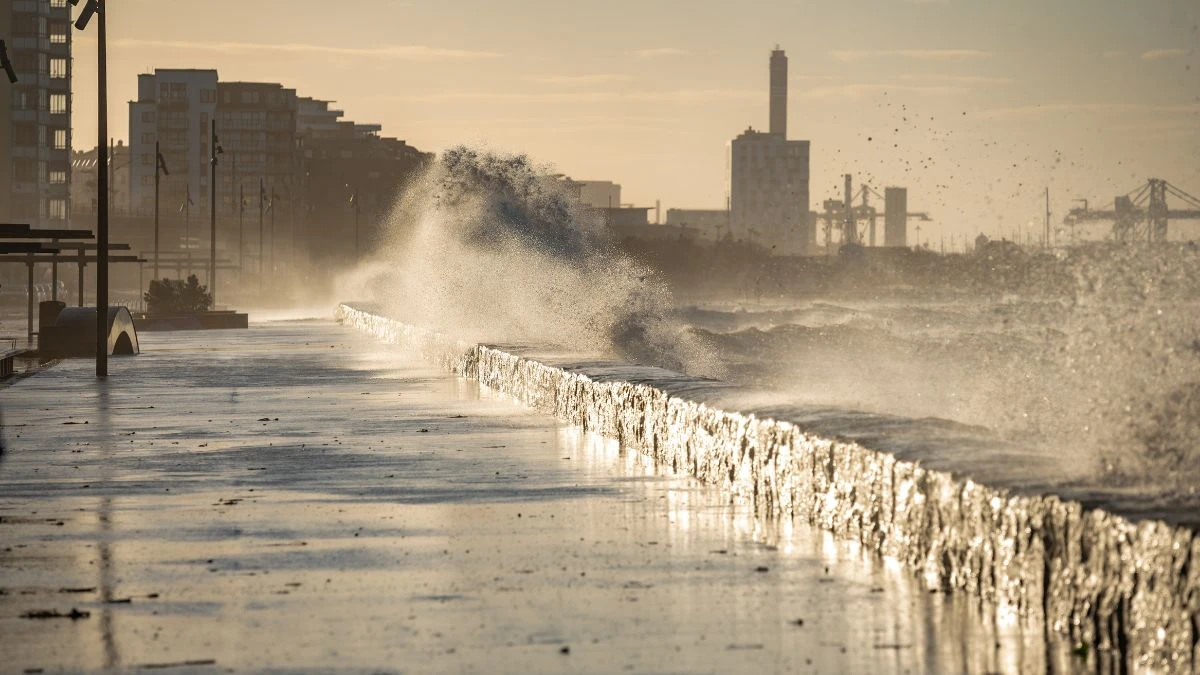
[157,182]
[357,236]
[241,233]
[212,213]
[262,193]
[102,192]
[1046,235]
[850,235]
[272,265]
[233,167]
[187,227]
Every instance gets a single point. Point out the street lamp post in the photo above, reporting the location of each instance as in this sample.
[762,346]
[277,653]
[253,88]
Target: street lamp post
[241,234]
[160,170]
[262,197]
[357,235]
[214,150]
[99,8]
[272,265]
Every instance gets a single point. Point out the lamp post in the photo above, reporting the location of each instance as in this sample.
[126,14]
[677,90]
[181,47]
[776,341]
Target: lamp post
[98,9]
[262,198]
[272,265]
[214,150]
[357,235]
[241,234]
[160,170]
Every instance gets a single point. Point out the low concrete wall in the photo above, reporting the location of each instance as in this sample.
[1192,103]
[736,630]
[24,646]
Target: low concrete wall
[1104,580]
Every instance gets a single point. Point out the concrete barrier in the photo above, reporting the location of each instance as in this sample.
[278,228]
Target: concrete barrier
[1125,584]
[74,333]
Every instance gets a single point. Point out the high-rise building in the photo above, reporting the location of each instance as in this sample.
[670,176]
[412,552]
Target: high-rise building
[35,116]
[352,179]
[256,124]
[895,217]
[769,178]
[174,109]
[779,92]
[84,198]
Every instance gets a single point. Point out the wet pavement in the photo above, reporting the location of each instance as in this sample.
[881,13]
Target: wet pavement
[298,498]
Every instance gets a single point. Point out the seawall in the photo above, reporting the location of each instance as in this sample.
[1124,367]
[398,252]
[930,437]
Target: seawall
[1126,583]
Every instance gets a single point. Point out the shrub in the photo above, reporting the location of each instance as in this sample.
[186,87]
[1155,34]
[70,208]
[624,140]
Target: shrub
[174,296]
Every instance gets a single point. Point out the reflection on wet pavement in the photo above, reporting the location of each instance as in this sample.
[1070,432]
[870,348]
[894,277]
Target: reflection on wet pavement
[297,497]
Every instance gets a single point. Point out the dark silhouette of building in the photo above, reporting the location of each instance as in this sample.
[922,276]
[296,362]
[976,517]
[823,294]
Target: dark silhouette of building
[769,179]
[256,125]
[779,92]
[352,177]
[702,224]
[35,115]
[895,217]
[293,159]
[174,109]
[84,200]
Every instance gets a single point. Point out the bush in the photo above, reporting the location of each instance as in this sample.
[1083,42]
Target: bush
[174,296]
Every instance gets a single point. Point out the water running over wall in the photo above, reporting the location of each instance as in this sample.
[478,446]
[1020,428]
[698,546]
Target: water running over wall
[1127,586]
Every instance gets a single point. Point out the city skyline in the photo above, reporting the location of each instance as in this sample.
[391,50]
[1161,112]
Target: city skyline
[945,98]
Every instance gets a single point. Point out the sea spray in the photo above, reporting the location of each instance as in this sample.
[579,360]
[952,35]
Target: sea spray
[494,248]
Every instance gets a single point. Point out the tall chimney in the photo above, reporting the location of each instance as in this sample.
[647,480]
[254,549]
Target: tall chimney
[779,92]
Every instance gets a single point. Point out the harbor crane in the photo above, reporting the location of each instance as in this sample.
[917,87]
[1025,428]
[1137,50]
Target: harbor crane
[857,223]
[1142,214]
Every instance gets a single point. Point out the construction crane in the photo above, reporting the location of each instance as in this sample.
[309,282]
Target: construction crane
[856,222]
[1141,214]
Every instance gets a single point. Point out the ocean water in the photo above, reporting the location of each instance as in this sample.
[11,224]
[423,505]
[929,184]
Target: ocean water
[1096,367]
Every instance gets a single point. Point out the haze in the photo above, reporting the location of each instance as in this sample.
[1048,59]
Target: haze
[947,98]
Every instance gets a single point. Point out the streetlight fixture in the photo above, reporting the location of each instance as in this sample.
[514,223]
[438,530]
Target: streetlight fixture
[97,8]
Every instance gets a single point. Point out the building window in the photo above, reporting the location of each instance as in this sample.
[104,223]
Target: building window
[58,209]
[208,96]
[60,139]
[58,3]
[58,69]
[148,116]
[58,103]
[148,159]
[58,177]
[147,138]
[147,180]
[58,33]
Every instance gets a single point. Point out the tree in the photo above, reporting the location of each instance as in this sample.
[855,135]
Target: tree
[174,296]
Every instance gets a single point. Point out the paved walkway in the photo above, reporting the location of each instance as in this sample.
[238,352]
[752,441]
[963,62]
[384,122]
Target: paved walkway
[298,498]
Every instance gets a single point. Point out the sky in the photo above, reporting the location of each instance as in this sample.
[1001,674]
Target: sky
[977,106]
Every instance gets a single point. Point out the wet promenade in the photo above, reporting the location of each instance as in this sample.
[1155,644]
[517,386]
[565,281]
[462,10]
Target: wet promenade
[299,498]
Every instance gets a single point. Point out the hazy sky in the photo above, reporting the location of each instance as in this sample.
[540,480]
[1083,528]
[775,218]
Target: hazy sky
[975,105]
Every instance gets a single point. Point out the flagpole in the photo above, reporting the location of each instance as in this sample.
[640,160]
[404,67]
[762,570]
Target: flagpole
[157,180]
